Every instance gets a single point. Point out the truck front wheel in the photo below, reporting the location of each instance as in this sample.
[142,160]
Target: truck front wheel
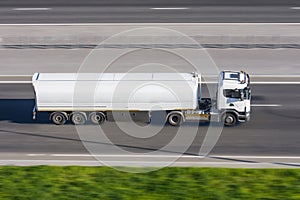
[175,119]
[58,118]
[230,119]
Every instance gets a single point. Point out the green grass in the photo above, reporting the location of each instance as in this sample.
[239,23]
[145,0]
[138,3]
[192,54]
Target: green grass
[45,182]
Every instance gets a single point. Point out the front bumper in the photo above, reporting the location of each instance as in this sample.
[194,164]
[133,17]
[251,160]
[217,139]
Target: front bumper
[244,117]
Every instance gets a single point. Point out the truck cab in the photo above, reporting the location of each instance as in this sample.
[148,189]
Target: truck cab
[233,97]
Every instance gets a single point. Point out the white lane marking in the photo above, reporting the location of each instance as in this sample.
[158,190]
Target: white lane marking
[17,75]
[207,82]
[132,162]
[258,83]
[265,83]
[13,82]
[262,76]
[295,8]
[170,8]
[99,162]
[151,24]
[147,163]
[166,156]
[216,76]
[127,156]
[266,105]
[204,82]
[31,9]
[258,157]
[277,82]
[276,75]
[36,154]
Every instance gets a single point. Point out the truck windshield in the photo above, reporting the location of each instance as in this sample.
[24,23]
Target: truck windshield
[238,93]
[229,93]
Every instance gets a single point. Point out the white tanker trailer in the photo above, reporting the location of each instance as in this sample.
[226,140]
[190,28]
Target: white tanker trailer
[94,97]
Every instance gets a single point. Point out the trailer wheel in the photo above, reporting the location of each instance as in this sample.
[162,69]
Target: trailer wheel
[175,119]
[78,118]
[97,117]
[230,119]
[58,118]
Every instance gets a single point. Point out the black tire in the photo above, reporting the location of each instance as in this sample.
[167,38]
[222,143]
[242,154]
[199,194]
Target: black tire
[58,118]
[175,119]
[229,119]
[97,117]
[78,118]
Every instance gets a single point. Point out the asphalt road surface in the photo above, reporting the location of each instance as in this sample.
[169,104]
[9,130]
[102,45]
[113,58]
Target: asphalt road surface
[270,139]
[117,11]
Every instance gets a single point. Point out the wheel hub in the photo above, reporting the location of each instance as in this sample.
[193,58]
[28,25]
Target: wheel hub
[229,119]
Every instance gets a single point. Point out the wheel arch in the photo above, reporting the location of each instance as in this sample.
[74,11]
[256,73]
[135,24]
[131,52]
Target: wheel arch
[175,112]
[234,112]
[103,112]
[64,113]
[83,113]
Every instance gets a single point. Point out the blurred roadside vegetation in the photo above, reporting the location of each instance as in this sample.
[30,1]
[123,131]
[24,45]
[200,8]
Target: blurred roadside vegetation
[48,182]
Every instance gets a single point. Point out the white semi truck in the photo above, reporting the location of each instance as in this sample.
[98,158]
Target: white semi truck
[94,97]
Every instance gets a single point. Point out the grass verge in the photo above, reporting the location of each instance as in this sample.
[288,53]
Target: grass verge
[46,182]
